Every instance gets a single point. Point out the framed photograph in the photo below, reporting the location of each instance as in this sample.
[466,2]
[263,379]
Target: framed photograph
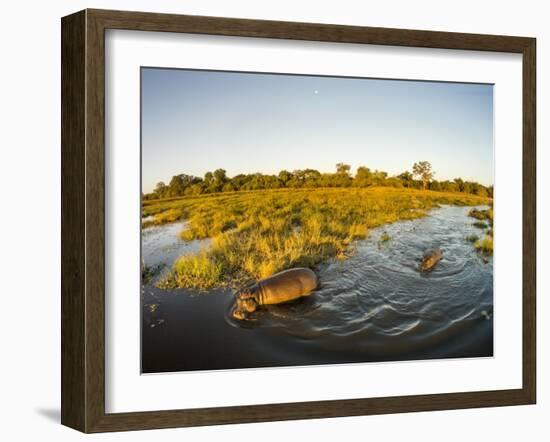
[270,220]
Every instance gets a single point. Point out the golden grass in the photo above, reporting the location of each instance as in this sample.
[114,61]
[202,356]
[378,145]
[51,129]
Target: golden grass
[485,245]
[256,234]
[482,215]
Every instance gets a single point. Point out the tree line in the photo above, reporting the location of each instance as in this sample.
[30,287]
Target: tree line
[421,177]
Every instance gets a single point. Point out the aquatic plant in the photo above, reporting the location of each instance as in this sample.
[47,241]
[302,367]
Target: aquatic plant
[485,245]
[482,215]
[148,272]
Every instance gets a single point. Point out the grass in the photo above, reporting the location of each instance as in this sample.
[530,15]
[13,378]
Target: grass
[485,244]
[472,238]
[256,234]
[480,225]
[193,271]
[482,215]
[148,272]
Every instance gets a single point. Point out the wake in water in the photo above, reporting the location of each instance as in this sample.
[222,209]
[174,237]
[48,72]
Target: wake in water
[375,306]
[379,294]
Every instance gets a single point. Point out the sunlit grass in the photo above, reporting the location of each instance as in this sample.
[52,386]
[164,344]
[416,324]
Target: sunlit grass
[485,245]
[480,225]
[193,271]
[482,215]
[256,234]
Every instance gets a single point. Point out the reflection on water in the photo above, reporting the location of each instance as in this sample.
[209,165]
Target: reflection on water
[374,306]
[161,245]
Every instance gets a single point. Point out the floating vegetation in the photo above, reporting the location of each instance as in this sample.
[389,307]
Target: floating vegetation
[480,225]
[485,245]
[385,237]
[482,214]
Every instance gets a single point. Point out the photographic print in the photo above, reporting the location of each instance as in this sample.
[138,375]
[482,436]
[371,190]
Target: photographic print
[294,220]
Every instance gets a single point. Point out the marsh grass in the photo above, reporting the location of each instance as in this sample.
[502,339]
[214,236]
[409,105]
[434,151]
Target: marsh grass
[148,272]
[485,245]
[480,225]
[482,214]
[256,234]
[197,271]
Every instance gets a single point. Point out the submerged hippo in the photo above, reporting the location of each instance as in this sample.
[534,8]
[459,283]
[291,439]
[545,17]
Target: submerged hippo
[282,287]
[430,260]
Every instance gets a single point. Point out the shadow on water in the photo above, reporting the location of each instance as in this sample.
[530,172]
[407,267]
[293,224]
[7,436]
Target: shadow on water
[374,306]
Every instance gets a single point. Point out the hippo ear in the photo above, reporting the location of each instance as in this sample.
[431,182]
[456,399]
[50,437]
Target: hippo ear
[246,292]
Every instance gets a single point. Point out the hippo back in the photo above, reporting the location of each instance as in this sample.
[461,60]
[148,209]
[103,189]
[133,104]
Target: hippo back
[286,286]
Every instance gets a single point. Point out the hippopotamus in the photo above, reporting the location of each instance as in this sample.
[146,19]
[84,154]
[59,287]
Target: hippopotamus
[284,286]
[430,260]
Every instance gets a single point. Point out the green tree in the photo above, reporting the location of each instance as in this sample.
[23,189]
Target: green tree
[208,178]
[342,177]
[423,170]
[407,178]
[220,175]
[448,186]
[434,185]
[379,177]
[194,189]
[285,176]
[219,178]
[159,188]
[228,187]
[343,169]
[459,182]
[363,177]
[239,181]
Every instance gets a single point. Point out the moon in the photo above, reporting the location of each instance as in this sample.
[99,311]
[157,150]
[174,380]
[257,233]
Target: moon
[315,91]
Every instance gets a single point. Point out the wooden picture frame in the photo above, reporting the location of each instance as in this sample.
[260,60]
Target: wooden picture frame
[83,220]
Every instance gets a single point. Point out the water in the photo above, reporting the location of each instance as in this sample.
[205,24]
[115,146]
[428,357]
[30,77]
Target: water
[374,306]
[161,245]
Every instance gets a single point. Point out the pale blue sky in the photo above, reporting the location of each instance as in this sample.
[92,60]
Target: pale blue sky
[198,121]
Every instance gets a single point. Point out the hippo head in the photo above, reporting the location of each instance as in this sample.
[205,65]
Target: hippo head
[246,302]
[431,259]
[239,314]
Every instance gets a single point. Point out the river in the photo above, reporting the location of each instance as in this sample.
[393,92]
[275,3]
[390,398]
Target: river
[374,306]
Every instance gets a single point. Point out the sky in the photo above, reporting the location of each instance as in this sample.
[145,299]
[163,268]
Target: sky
[196,121]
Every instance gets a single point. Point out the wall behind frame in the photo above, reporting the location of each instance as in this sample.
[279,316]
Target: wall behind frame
[30,221]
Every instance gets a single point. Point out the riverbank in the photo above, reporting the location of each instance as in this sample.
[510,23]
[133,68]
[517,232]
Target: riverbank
[256,234]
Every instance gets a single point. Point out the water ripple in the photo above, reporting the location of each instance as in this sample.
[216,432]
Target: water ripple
[374,306]
[380,292]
